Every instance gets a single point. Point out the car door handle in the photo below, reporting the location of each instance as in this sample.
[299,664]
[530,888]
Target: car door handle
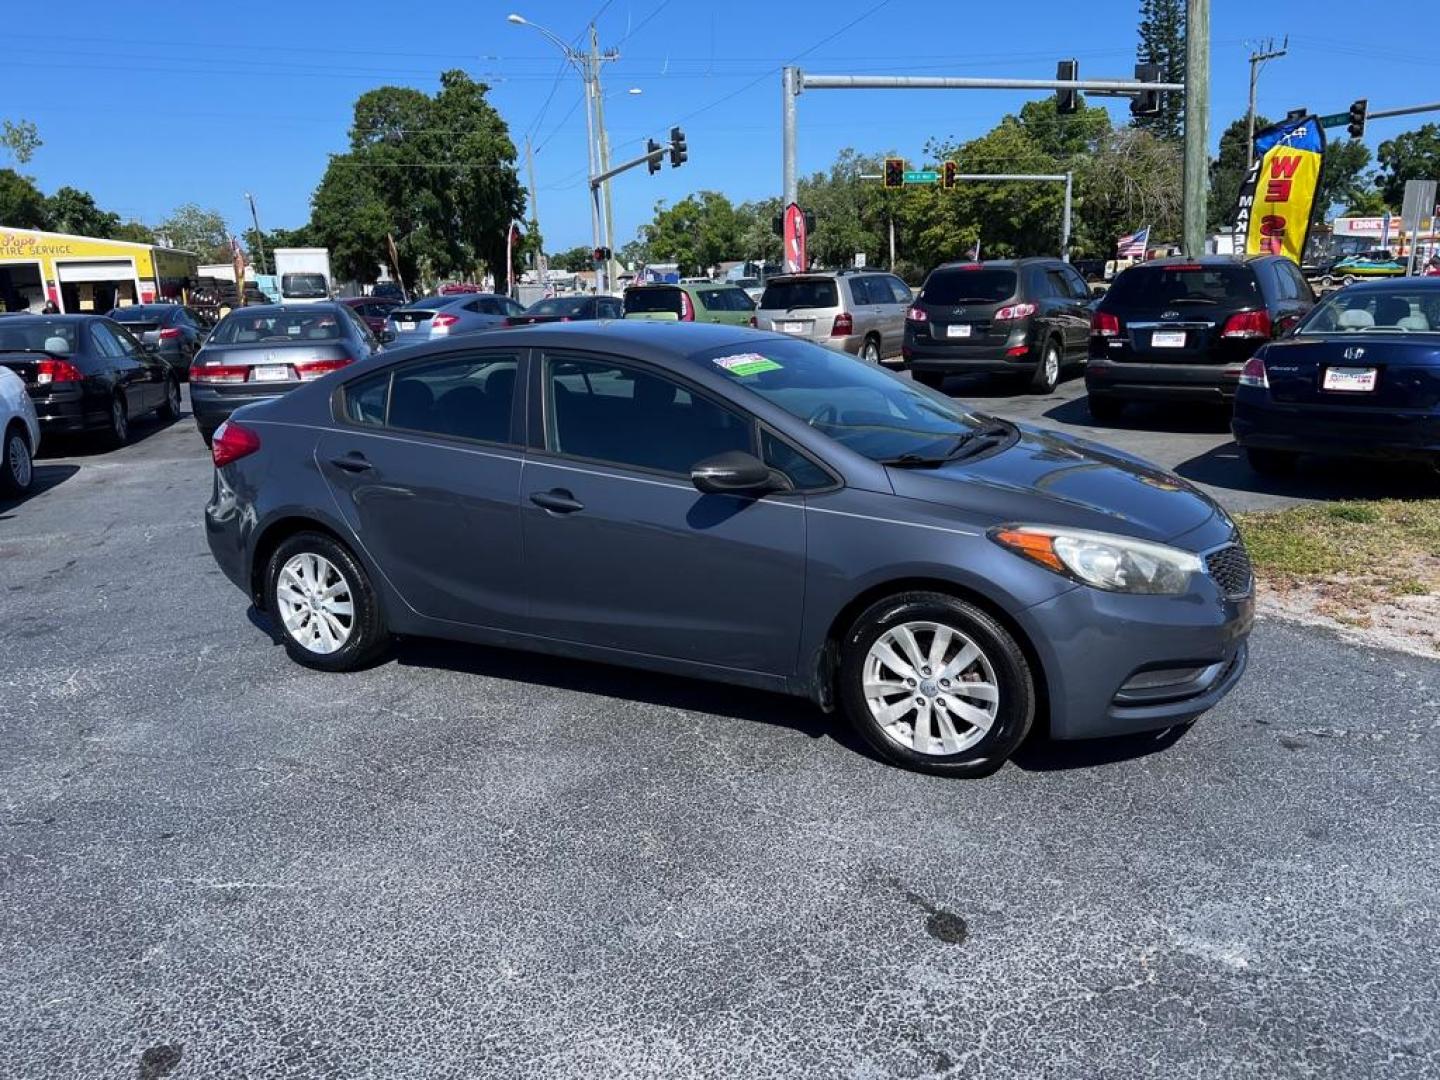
[352,462]
[557,500]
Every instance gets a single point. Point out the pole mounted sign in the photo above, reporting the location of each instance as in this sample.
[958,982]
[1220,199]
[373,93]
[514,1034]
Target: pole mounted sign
[796,256]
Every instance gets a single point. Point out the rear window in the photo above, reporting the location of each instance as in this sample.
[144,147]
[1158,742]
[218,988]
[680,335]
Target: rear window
[245,328]
[560,305]
[987,285]
[652,299]
[37,336]
[142,313]
[430,303]
[1164,286]
[304,286]
[801,293]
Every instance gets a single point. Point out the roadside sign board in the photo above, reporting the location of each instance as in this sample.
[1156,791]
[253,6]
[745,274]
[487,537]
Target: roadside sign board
[921,176]
[1335,119]
[796,256]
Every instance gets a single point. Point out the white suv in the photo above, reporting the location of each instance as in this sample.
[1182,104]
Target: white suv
[860,311]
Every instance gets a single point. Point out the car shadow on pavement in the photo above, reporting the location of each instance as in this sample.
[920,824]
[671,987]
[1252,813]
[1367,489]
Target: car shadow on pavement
[1040,754]
[90,445]
[1176,419]
[1323,479]
[46,477]
[988,387]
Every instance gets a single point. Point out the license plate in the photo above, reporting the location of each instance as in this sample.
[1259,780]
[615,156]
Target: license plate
[406,325]
[271,373]
[792,328]
[958,330]
[1167,339]
[1352,379]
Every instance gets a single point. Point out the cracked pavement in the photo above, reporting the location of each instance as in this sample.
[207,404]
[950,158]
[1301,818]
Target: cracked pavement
[471,863]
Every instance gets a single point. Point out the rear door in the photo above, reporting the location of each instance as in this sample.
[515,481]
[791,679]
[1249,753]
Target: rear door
[1071,311]
[425,464]
[140,375]
[893,317]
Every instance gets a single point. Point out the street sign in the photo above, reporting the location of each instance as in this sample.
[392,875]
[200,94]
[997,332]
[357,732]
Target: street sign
[1336,119]
[921,176]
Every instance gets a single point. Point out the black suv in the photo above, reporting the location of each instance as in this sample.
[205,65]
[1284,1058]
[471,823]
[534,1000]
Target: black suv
[1181,329]
[1027,317]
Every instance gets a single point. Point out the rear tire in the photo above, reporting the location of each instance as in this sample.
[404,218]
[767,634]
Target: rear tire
[1105,410]
[979,702]
[170,411]
[870,351]
[1047,372]
[1270,462]
[17,467]
[935,380]
[207,435]
[117,433]
[323,604]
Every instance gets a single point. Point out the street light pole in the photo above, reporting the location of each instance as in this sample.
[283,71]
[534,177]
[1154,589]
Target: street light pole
[1257,61]
[259,236]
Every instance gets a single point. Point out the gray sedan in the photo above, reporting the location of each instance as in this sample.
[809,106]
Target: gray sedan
[737,506]
[443,316]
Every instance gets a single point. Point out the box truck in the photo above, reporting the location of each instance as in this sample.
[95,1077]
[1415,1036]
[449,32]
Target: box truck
[304,275]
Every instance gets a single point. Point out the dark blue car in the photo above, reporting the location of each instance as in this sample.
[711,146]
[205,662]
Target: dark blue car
[1358,377]
[739,506]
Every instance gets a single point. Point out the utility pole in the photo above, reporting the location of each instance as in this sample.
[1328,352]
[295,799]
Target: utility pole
[1197,123]
[1257,61]
[540,266]
[259,236]
[603,149]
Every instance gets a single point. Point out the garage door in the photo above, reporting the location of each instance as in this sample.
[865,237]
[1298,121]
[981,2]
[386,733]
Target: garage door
[110,270]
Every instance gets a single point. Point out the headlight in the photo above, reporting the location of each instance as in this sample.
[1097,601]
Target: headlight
[1116,563]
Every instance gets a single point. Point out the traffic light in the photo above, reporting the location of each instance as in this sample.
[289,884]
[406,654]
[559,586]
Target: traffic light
[1146,102]
[653,148]
[678,151]
[600,255]
[1358,110]
[894,172]
[947,174]
[1067,100]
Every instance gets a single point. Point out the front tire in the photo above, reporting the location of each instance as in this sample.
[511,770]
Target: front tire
[1270,462]
[934,684]
[323,604]
[17,467]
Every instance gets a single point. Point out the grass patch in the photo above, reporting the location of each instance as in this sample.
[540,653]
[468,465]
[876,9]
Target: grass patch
[1389,544]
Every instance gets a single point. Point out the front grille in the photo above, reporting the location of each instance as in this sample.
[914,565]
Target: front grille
[1230,567]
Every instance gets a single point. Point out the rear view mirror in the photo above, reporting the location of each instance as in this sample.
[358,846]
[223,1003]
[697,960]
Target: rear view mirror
[734,473]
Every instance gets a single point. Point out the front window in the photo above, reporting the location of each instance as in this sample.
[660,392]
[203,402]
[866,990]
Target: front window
[860,406]
[304,286]
[1397,309]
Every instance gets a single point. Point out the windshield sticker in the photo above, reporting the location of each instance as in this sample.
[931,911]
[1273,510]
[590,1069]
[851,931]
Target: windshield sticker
[747,364]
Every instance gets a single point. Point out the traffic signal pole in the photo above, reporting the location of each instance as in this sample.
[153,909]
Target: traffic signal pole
[1196,169]
[1065,178]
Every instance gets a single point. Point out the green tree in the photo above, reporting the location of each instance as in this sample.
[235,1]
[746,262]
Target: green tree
[1344,181]
[1162,41]
[758,240]
[73,211]
[1131,179]
[22,206]
[576,258]
[1414,155]
[1227,173]
[256,243]
[191,228]
[22,139]
[349,215]
[134,231]
[697,232]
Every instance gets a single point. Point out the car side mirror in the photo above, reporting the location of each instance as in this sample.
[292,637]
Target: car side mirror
[735,473]
[386,336]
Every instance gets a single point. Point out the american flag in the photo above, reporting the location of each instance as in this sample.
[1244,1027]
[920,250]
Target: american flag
[1133,245]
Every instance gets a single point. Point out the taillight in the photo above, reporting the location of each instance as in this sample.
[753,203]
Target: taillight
[443,322]
[232,442]
[218,373]
[1104,324]
[844,325]
[917,314]
[687,309]
[1014,311]
[1253,374]
[313,369]
[1247,324]
[170,333]
[754,323]
[56,371]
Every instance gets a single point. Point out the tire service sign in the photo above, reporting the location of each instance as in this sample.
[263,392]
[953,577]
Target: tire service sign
[1277,197]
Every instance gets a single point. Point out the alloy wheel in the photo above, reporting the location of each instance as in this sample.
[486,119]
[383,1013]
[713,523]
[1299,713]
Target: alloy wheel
[119,421]
[172,396]
[1052,366]
[930,688]
[315,603]
[870,352]
[22,468]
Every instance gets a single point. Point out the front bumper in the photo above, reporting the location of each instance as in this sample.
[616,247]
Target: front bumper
[1353,431]
[1095,645]
[1204,383]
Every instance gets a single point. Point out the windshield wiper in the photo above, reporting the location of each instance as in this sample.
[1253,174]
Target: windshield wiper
[966,445]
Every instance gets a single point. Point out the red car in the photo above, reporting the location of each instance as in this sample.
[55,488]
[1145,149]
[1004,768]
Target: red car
[373,310]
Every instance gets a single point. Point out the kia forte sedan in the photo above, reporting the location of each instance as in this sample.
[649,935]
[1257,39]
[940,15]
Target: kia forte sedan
[738,506]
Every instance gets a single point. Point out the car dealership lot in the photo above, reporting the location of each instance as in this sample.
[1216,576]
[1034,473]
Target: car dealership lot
[466,863]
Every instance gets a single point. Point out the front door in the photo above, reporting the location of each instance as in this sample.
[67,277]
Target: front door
[623,553]
[426,469]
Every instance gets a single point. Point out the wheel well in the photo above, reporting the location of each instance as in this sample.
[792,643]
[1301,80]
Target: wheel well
[275,534]
[16,424]
[850,612]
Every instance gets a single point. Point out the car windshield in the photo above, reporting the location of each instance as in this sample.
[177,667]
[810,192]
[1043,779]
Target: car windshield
[651,299]
[250,327]
[559,305]
[800,293]
[1395,309]
[865,408]
[303,286]
[1190,284]
[53,336]
[142,313]
[966,285]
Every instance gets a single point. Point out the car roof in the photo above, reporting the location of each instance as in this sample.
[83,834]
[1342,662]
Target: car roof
[287,309]
[1376,284]
[666,342]
[1006,264]
[19,316]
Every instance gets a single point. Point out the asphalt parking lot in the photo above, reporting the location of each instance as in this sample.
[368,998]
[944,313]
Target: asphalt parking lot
[467,863]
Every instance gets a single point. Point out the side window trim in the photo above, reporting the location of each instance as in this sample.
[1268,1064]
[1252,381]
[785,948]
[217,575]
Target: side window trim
[835,481]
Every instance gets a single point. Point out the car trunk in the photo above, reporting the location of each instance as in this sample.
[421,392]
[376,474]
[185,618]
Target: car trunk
[1383,371]
[1188,313]
[803,306]
[246,368]
[26,364]
[1193,336]
[656,302]
[960,304]
[969,323]
[409,320]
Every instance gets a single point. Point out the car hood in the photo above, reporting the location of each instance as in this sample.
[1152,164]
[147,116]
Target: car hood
[1045,478]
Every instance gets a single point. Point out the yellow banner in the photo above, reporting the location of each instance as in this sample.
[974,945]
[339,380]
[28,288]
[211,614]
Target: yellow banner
[1278,198]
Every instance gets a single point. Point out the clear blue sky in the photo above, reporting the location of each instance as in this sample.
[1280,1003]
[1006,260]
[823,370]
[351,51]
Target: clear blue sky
[149,106]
